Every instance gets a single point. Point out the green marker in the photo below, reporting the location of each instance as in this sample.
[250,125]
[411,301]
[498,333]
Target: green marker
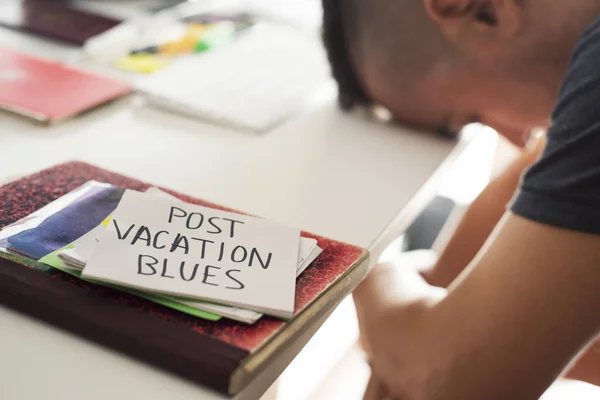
[219,35]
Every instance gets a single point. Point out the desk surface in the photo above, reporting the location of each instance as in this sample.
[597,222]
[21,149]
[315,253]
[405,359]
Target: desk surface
[324,171]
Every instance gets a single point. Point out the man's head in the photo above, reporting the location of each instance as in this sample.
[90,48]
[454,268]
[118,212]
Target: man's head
[441,64]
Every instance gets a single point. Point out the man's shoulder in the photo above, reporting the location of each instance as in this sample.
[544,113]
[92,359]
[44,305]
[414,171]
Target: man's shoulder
[580,89]
[563,188]
[585,59]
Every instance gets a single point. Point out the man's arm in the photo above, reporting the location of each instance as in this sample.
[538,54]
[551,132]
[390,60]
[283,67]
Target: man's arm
[480,218]
[528,303]
[505,330]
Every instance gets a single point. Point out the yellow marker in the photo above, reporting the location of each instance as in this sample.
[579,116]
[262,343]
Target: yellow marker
[142,63]
[195,32]
[182,46]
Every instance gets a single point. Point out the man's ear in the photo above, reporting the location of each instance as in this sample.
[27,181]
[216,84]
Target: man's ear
[455,15]
[444,11]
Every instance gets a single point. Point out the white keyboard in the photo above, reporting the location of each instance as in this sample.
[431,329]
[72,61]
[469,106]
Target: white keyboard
[254,83]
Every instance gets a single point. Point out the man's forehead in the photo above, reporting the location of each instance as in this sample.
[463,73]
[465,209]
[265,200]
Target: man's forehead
[419,96]
[426,118]
[419,108]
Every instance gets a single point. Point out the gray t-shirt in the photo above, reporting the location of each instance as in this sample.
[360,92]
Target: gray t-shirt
[563,188]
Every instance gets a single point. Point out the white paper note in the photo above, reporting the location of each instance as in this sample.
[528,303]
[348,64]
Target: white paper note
[83,248]
[196,252]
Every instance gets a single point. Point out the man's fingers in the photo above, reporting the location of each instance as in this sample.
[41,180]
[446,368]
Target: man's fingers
[375,389]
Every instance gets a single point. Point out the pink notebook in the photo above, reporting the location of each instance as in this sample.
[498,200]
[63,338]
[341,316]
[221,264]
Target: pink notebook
[49,91]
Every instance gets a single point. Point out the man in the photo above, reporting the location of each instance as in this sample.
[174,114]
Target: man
[528,304]
[398,42]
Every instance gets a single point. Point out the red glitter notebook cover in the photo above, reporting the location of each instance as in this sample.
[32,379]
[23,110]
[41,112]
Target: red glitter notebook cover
[224,355]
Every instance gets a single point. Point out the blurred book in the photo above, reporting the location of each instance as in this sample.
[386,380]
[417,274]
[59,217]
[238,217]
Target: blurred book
[55,19]
[49,91]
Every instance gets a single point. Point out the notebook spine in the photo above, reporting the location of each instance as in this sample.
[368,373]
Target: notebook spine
[312,317]
[198,358]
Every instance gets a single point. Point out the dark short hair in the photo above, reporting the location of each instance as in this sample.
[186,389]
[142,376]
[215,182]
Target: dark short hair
[351,91]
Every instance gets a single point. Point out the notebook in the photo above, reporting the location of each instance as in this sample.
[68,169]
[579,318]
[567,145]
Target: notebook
[224,355]
[253,83]
[48,91]
[54,19]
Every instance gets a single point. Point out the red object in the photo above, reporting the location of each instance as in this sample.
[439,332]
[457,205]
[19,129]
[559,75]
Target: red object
[49,91]
[207,352]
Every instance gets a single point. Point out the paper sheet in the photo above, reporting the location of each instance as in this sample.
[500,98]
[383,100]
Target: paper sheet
[200,253]
[76,256]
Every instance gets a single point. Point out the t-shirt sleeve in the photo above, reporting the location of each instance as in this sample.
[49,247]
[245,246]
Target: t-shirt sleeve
[563,188]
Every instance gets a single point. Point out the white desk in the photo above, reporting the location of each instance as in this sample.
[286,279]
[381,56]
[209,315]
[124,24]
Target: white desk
[324,171]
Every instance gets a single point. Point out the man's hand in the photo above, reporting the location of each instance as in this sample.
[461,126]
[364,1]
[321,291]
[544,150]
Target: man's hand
[376,390]
[389,304]
[526,307]
[377,337]
[384,275]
